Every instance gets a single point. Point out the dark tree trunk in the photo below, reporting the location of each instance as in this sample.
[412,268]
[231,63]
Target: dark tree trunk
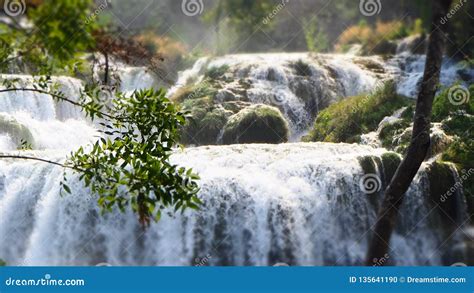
[420,141]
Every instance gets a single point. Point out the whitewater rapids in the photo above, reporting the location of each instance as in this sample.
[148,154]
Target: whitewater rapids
[299,204]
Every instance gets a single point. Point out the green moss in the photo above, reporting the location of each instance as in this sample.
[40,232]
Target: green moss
[347,120]
[256,124]
[195,91]
[206,122]
[390,131]
[371,165]
[390,162]
[408,113]
[368,164]
[459,124]
[461,150]
[461,153]
[216,72]
[443,104]
[443,189]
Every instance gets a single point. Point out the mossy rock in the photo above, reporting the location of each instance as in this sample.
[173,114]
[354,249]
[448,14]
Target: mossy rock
[217,72]
[390,131]
[206,88]
[256,124]
[459,124]
[387,163]
[396,136]
[369,164]
[390,162]
[236,106]
[17,131]
[445,192]
[301,68]
[461,153]
[348,119]
[456,98]
[205,124]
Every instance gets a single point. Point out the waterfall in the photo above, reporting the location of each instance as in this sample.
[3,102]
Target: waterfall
[299,84]
[295,203]
[409,69]
[41,121]
[302,84]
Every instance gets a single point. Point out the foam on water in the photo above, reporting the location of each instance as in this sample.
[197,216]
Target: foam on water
[295,203]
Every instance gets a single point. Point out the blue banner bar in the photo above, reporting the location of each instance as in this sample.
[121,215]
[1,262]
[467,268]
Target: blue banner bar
[237,279]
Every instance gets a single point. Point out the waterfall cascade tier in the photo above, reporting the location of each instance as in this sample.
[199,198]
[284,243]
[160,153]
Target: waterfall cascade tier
[300,204]
[299,84]
[302,84]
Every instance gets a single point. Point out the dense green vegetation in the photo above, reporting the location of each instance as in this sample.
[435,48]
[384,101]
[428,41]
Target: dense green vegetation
[348,119]
[53,42]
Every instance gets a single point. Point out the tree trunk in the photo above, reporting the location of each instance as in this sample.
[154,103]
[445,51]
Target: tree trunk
[420,141]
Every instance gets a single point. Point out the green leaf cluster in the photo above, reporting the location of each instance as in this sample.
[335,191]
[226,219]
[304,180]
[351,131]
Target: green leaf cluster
[58,33]
[130,164]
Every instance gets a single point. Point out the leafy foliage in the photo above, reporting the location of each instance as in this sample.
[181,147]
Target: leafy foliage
[62,27]
[57,35]
[130,164]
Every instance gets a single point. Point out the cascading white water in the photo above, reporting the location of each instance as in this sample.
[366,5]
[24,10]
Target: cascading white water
[296,203]
[299,84]
[409,69]
[42,122]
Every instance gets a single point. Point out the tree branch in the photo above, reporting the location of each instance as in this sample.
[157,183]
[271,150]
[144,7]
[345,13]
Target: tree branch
[59,97]
[35,159]
[41,160]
